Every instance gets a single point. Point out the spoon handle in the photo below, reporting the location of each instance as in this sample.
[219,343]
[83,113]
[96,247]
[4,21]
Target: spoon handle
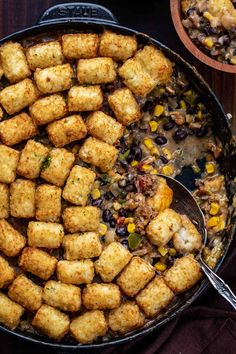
[222,288]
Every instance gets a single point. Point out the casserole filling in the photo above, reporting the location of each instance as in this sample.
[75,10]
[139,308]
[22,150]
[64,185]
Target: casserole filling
[211,24]
[90,246]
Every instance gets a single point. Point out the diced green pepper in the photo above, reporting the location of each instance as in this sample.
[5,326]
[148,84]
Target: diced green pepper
[134,240]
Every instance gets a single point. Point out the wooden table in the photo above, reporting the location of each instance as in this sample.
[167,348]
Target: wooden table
[153,18]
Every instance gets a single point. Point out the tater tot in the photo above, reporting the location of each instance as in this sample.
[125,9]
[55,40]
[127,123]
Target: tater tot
[58,166]
[48,203]
[80,45]
[8,161]
[124,106]
[37,262]
[66,130]
[117,46]
[17,129]
[81,218]
[1,71]
[22,198]
[104,127]
[89,326]
[101,296]
[75,272]
[51,322]
[26,293]
[85,98]
[45,54]
[126,318]
[155,63]
[11,241]
[187,239]
[80,246]
[79,185]
[10,312]
[44,234]
[7,273]
[162,228]
[112,260]
[14,62]
[31,159]
[66,297]
[16,97]
[155,297]
[54,79]
[136,78]
[48,109]
[96,71]
[98,153]
[163,196]
[4,201]
[135,276]
[183,274]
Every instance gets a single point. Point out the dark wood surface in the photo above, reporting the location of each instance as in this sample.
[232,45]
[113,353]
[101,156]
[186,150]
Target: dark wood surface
[151,17]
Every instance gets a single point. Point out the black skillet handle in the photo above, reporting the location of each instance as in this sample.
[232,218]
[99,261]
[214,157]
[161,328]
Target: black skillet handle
[77,11]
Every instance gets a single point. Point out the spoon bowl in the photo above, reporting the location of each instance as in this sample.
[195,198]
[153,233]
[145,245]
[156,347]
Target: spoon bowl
[184,203]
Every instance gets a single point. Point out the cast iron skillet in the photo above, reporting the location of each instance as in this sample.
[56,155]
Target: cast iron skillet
[91,17]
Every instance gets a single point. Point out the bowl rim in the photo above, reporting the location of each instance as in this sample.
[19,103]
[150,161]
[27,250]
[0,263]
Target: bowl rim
[175,9]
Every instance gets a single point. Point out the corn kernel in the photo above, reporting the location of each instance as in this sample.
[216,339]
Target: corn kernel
[75,149]
[213,221]
[199,114]
[154,171]
[167,153]
[172,251]
[146,167]
[207,15]
[134,163]
[116,206]
[96,193]
[221,224]
[160,266]
[162,90]
[210,167]
[148,143]
[158,110]
[153,125]
[163,251]
[183,104]
[102,229]
[208,42]
[233,60]
[128,220]
[154,151]
[214,209]
[188,93]
[168,170]
[131,228]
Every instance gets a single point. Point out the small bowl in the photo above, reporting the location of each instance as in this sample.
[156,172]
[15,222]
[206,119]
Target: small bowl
[177,17]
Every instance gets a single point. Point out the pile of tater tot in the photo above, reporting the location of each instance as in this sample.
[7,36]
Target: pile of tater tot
[92,288]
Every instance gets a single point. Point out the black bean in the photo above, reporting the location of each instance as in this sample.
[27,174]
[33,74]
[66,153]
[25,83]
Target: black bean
[106,215]
[191,10]
[112,222]
[123,212]
[132,126]
[122,140]
[160,140]
[107,196]
[125,243]
[137,151]
[179,135]
[148,106]
[169,125]
[97,202]
[201,131]
[163,159]
[130,157]
[121,231]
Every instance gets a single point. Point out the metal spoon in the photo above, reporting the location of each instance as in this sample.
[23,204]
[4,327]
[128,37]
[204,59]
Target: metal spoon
[184,203]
